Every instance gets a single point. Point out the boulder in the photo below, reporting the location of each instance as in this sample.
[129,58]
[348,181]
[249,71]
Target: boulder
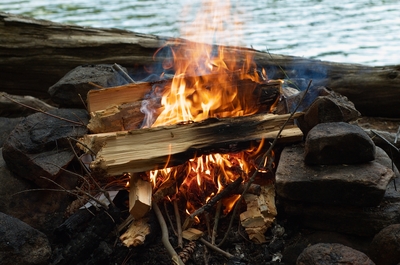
[40,209]
[338,143]
[329,106]
[351,220]
[351,185]
[326,254]
[38,147]
[70,90]
[7,125]
[385,247]
[21,244]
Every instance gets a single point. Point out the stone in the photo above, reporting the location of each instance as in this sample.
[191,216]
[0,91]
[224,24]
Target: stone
[326,254]
[70,90]
[329,106]
[358,221]
[385,246]
[354,185]
[7,125]
[338,143]
[40,209]
[306,237]
[21,244]
[38,147]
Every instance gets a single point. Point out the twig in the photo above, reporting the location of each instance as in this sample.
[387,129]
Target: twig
[83,144]
[121,71]
[44,112]
[216,221]
[169,218]
[216,248]
[397,135]
[178,223]
[386,141]
[226,191]
[164,238]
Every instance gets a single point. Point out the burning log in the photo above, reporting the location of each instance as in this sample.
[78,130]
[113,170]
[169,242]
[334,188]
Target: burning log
[145,149]
[361,84]
[118,108]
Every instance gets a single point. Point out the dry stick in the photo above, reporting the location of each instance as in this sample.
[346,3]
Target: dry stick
[121,71]
[216,221]
[226,191]
[44,112]
[267,154]
[106,194]
[217,249]
[169,218]
[178,224]
[164,238]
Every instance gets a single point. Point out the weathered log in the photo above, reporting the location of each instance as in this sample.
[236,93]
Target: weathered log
[43,52]
[145,149]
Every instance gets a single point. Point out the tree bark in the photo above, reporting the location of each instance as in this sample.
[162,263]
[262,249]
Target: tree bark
[35,54]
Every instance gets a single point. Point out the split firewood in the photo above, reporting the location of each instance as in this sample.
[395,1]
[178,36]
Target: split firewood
[192,234]
[124,117]
[145,149]
[118,108]
[104,98]
[139,196]
[260,213]
[136,233]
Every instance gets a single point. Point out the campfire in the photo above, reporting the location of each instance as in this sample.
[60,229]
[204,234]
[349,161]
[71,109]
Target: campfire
[197,138]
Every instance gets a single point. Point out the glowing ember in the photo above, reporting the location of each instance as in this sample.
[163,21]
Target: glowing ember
[204,86]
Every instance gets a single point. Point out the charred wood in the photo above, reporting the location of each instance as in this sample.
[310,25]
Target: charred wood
[80,247]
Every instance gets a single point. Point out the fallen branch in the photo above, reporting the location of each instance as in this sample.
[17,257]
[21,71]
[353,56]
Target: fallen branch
[164,230]
[216,248]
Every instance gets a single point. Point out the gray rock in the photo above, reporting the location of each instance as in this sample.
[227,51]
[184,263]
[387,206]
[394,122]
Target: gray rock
[77,82]
[329,106]
[385,247]
[325,254]
[38,208]
[358,221]
[7,125]
[21,244]
[356,185]
[38,148]
[338,143]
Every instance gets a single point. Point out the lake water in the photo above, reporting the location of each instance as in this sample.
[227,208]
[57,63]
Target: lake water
[354,31]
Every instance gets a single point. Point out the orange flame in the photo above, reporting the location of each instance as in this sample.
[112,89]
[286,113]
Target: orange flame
[205,85]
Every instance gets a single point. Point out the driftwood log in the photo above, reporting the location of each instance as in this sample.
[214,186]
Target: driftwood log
[35,54]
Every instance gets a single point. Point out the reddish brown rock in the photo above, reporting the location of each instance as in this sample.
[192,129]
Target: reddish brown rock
[385,247]
[332,254]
